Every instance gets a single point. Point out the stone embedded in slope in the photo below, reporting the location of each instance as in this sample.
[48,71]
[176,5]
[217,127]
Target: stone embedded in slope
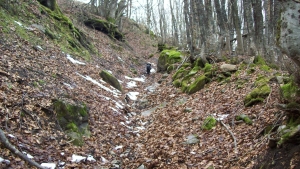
[228,67]
[110,79]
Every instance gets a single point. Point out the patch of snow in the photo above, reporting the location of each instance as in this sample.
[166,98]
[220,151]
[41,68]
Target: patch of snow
[140,128]
[152,70]
[77,158]
[131,84]
[19,23]
[143,123]
[62,153]
[74,61]
[39,47]
[104,160]
[221,116]
[106,98]
[125,125]
[115,110]
[152,87]
[109,71]
[11,136]
[28,155]
[118,147]
[128,122]
[61,164]
[120,59]
[193,152]
[90,158]
[68,85]
[139,79]
[115,92]
[49,165]
[4,160]
[133,95]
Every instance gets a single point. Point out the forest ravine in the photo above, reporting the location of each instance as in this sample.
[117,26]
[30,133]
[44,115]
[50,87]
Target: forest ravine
[158,134]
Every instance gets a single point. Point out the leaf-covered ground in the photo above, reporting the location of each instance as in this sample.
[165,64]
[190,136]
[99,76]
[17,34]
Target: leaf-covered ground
[31,78]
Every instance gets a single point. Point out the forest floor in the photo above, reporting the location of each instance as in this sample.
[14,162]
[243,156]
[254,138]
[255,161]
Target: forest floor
[31,79]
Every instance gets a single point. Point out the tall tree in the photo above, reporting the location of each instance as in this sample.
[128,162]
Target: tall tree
[258,26]
[237,26]
[174,25]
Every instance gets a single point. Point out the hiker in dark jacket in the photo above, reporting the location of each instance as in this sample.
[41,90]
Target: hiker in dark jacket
[148,68]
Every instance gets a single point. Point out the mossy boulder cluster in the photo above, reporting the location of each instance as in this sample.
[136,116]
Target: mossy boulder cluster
[193,77]
[73,119]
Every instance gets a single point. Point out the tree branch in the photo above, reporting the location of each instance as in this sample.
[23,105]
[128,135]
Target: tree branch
[15,151]
[232,135]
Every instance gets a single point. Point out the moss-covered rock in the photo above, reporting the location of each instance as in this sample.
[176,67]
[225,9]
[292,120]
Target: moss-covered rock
[110,79]
[209,123]
[197,85]
[106,27]
[207,67]
[199,62]
[290,91]
[167,58]
[180,73]
[177,83]
[72,118]
[245,118]
[257,95]
[170,68]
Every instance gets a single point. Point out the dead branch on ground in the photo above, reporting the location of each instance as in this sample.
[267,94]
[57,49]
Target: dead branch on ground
[15,151]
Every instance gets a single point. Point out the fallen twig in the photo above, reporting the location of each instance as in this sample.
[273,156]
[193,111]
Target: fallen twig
[15,151]
[232,135]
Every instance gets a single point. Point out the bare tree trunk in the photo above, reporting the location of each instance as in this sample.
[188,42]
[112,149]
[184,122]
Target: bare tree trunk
[174,26]
[258,26]
[188,27]
[237,25]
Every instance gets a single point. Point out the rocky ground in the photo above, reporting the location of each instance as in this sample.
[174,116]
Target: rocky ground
[160,129]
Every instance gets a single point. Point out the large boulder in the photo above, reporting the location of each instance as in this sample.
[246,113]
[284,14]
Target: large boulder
[167,58]
[110,79]
[73,119]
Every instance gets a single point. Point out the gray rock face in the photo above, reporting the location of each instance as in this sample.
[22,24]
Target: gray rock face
[289,40]
[228,67]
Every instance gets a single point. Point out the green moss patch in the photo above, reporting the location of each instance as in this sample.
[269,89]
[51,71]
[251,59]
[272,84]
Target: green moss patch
[197,85]
[245,118]
[289,91]
[257,95]
[207,68]
[209,123]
